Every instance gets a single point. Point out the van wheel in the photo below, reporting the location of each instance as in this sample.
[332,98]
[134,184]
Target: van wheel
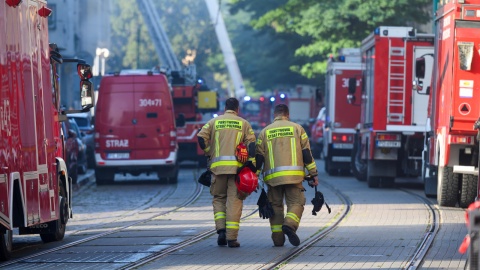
[6,244]
[59,225]
[104,176]
[329,165]
[468,190]
[168,174]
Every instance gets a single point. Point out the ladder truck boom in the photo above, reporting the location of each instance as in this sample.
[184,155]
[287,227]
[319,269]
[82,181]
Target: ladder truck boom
[158,35]
[226,47]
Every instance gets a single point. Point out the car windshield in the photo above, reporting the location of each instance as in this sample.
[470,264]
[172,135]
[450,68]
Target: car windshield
[81,122]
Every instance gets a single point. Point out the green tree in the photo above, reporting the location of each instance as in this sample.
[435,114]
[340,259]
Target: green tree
[327,26]
[131,44]
[264,56]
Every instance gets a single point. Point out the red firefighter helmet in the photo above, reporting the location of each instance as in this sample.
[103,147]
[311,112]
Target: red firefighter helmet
[246,180]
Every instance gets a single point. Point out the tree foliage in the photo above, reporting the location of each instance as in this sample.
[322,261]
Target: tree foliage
[188,28]
[326,26]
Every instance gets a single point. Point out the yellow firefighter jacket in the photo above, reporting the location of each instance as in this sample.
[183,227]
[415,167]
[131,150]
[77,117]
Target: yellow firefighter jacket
[281,144]
[222,134]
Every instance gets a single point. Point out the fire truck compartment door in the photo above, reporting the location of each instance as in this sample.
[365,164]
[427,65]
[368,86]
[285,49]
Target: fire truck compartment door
[466,79]
[420,101]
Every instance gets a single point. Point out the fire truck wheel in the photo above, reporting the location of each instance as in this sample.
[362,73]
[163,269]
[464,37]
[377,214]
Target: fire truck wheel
[468,190]
[372,181]
[58,225]
[447,188]
[388,182]
[328,167]
[429,181]
[104,176]
[6,244]
[357,165]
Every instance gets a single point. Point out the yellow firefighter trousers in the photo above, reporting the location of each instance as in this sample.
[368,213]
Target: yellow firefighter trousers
[295,199]
[227,207]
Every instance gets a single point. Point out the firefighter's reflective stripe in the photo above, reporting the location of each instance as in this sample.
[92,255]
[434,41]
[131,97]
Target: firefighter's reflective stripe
[311,166]
[270,154]
[219,215]
[206,149]
[217,144]
[233,225]
[293,216]
[225,161]
[294,151]
[284,171]
[304,136]
[239,136]
[276,228]
[252,159]
[259,141]
[206,126]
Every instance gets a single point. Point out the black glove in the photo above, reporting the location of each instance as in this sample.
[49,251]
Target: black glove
[265,209]
[318,202]
[205,178]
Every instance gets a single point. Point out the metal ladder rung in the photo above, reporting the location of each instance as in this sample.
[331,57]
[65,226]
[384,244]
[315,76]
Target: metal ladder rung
[396,87]
[396,91]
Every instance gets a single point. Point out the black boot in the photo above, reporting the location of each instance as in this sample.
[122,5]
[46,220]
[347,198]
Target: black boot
[292,236]
[222,238]
[233,243]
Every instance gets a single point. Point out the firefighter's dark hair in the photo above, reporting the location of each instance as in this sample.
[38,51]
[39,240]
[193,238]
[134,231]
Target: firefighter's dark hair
[231,104]
[281,109]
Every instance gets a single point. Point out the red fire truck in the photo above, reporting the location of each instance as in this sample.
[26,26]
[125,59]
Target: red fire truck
[35,189]
[389,141]
[340,117]
[451,152]
[257,111]
[191,100]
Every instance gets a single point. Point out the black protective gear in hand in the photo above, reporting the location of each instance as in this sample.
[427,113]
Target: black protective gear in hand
[205,178]
[265,209]
[318,202]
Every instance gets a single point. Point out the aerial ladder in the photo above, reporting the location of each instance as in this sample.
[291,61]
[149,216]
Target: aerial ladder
[226,47]
[161,42]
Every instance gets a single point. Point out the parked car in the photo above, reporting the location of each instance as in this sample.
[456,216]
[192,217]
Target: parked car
[82,148]
[71,150]
[316,137]
[85,124]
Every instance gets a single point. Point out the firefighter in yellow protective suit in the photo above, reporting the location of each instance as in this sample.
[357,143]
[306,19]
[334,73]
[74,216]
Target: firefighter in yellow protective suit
[284,151]
[219,139]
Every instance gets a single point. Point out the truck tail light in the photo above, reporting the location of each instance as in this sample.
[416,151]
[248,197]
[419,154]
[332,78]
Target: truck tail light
[342,138]
[388,137]
[458,139]
[173,138]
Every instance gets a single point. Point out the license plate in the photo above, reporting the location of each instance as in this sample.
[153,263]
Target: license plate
[391,144]
[118,155]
